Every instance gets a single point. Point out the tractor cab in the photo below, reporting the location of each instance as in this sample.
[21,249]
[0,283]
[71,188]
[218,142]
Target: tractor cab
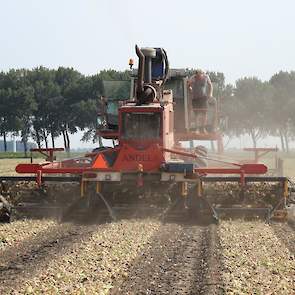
[116,92]
[128,108]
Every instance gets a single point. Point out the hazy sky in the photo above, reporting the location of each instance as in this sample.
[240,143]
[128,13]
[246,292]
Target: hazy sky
[233,36]
[239,38]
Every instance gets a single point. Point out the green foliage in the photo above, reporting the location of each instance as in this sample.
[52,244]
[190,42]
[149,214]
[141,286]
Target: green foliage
[283,107]
[114,75]
[261,108]
[250,97]
[43,103]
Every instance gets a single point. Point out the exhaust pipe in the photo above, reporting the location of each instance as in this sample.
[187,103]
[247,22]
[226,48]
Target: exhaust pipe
[145,92]
[140,74]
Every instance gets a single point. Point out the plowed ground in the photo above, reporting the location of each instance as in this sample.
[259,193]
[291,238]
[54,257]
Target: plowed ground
[146,257]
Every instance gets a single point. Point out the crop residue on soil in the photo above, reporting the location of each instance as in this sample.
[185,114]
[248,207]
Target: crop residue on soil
[16,232]
[145,256]
[88,264]
[255,260]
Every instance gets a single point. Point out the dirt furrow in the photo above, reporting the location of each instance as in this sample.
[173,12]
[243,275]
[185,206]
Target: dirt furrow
[211,279]
[179,260]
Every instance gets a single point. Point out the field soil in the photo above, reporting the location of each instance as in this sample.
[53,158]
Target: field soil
[146,256]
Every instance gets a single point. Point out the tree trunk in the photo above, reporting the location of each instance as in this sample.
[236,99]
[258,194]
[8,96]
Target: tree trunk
[254,140]
[282,140]
[25,142]
[45,138]
[25,147]
[64,137]
[68,140]
[5,141]
[52,139]
[38,139]
[227,143]
[286,142]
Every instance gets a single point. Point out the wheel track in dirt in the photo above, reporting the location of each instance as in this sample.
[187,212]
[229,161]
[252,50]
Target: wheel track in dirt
[211,282]
[181,259]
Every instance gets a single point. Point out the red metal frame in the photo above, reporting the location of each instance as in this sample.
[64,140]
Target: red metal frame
[240,169]
[149,159]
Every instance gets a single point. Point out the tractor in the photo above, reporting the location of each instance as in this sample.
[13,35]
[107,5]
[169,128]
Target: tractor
[147,160]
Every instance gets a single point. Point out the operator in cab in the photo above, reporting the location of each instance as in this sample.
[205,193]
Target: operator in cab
[201,90]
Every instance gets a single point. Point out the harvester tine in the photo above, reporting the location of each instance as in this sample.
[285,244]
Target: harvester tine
[110,210]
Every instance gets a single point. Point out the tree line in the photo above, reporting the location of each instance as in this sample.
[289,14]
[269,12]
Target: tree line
[43,104]
[260,108]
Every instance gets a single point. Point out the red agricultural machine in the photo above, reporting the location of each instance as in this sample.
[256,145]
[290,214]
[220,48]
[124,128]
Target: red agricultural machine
[148,161]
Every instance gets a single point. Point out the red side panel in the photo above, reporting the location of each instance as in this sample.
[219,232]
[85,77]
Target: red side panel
[254,168]
[243,169]
[129,158]
[28,168]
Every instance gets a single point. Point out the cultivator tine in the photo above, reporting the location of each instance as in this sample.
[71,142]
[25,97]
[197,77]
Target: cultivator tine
[278,214]
[245,200]
[110,210]
[212,209]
